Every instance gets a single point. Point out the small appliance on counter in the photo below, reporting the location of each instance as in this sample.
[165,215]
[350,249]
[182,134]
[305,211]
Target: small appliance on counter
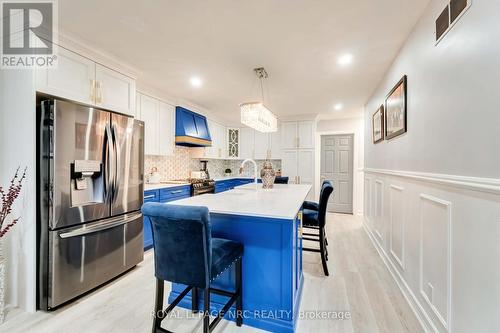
[154,176]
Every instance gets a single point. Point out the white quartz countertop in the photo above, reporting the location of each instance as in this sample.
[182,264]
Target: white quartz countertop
[281,202]
[156,186]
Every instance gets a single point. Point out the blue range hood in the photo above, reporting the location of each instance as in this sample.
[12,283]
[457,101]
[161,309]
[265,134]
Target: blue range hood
[191,129]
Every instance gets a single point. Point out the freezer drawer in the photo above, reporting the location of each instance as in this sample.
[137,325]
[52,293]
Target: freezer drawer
[87,256]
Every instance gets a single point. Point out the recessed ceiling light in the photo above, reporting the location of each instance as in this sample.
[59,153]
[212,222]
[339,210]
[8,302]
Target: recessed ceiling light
[338,107]
[345,60]
[195,81]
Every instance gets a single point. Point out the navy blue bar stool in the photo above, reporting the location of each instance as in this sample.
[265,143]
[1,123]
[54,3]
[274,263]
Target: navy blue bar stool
[314,217]
[186,253]
[281,180]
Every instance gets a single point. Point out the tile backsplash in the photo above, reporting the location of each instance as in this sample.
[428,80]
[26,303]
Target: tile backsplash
[176,166]
[180,164]
[234,165]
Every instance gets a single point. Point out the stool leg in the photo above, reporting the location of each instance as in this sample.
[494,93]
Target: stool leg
[206,311]
[239,300]
[194,300]
[158,315]
[323,251]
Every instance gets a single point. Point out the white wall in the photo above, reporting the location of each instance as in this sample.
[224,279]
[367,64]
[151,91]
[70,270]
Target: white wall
[452,101]
[17,148]
[344,126]
[432,195]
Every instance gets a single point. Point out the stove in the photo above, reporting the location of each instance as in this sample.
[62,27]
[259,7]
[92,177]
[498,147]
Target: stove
[201,186]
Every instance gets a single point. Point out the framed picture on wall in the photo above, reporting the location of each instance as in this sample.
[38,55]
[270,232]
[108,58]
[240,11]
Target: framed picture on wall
[378,125]
[395,110]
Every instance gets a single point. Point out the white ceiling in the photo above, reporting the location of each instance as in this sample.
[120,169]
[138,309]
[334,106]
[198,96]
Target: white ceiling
[297,41]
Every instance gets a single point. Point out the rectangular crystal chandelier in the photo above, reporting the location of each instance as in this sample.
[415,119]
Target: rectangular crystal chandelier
[258,117]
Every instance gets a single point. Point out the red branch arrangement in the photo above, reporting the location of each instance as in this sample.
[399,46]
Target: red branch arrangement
[8,197]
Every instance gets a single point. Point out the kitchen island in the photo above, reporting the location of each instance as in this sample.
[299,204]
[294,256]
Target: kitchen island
[268,224]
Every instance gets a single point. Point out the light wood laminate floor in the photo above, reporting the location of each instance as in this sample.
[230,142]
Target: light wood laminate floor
[358,283]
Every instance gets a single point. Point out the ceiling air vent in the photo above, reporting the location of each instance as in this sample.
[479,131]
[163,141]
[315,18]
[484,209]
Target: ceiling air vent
[450,16]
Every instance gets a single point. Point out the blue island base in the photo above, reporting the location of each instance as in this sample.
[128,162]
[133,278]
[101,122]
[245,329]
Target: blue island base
[272,272]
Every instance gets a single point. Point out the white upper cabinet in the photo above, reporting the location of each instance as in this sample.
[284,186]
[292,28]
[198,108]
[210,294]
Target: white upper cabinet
[247,137]
[222,142]
[166,129]
[114,91]
[275,145]
[82,80]
[218,148]
[261,145]
[72,79]
[289,134]
[297,134]
[159,125]
[150,114]
[305,134]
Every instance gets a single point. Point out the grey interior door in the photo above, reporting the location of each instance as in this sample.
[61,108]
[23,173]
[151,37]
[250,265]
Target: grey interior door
[337,166]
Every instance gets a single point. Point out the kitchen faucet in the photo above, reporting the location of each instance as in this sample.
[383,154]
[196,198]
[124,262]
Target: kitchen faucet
[254,168]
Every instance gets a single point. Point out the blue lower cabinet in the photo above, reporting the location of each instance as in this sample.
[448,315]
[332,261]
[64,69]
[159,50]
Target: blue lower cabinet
[175,193]
[149,196]
[162,195]
[229,184]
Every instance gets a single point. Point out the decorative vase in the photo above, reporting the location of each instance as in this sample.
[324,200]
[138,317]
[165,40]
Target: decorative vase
[268,175]
[3,263]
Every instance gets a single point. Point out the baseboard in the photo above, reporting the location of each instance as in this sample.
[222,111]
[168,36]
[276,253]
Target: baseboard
[422,317]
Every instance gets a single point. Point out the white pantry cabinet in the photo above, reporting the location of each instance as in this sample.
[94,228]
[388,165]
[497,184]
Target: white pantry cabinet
[82,80]
[159,125]
[298,134]
[298,166]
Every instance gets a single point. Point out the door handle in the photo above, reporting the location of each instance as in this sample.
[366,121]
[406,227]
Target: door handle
[149,196]
[176,192]
[109,160]
[117,178]
[104,225]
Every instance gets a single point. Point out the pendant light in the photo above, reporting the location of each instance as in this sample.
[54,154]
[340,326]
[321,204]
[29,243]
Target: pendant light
[255,114]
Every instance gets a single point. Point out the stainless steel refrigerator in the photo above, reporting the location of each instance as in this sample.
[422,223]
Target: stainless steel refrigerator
[90,191]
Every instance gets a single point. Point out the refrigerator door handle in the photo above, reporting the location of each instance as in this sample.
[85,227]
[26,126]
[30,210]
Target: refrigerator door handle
[109,164]
[117,178]
[103,225]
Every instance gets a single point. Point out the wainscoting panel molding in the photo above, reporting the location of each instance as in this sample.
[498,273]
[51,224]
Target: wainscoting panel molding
[435,240]
[490,185]
[368,200]
[397,224]
[439,238]
[379,210]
